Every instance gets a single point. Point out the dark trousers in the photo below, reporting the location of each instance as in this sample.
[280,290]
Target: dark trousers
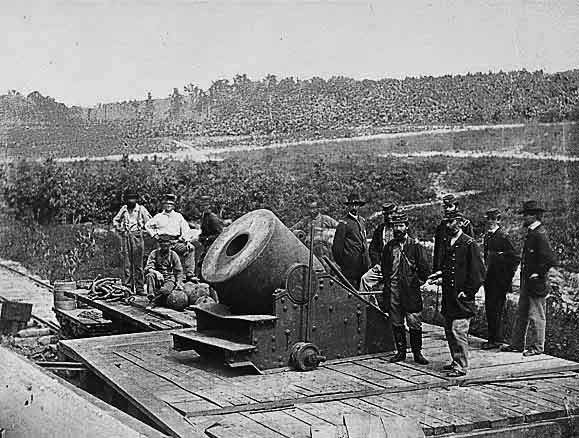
[495,306]
[132,249]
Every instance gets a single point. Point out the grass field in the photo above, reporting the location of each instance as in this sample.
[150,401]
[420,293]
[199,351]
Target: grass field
[285,179]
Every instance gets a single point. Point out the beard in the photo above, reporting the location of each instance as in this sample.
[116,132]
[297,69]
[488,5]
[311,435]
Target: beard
[399,235]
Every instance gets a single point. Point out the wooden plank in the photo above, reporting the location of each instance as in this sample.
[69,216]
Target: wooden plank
[401,428]
[366,374]
[159,412]
[237,426]
[194,337]
[283,423]
[421,413]
[364,426]
[328,431]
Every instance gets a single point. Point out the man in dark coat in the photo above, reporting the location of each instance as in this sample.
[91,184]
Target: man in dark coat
[404,268]
[501,261]
[349,248]
[382,235]
[462,276]
[537,259]
[441,236]
[211,228]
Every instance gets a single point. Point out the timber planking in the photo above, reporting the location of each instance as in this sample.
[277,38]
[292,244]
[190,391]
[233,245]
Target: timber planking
[177,388]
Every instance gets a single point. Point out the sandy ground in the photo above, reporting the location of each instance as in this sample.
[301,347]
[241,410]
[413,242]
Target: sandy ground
[190,150]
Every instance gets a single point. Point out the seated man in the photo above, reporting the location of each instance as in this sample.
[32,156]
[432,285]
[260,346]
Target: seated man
[163,271]
[172,223]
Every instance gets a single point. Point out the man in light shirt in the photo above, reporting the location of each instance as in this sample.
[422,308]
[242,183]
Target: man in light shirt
[172,223]
[130,224]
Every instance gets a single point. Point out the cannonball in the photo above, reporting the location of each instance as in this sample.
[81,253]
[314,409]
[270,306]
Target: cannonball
[177,300]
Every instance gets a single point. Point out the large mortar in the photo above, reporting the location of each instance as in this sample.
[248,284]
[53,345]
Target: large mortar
[250,259]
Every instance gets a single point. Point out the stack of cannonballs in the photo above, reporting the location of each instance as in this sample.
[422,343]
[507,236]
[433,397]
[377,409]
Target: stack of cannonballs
[192,294]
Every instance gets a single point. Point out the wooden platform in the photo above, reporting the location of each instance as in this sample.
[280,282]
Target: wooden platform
[137,316]
[187,397]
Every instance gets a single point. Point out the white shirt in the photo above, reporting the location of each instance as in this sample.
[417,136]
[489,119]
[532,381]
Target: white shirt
[172,223]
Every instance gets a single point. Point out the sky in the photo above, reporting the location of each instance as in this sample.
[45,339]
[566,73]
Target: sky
[84,52]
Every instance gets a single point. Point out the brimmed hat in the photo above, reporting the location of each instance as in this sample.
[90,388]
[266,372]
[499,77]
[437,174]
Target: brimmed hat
[451,215]
[531,207]
[205,198]
[355,199]
[449,199]
[169,198]
[388,208]
[165,238]
[398,218]
[131,195]
[313,204]
[493,214]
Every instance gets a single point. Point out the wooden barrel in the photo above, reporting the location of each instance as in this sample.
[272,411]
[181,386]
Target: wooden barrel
[60,300]
[250,259]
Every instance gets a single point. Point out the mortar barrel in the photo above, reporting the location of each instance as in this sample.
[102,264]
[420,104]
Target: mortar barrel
[250,259]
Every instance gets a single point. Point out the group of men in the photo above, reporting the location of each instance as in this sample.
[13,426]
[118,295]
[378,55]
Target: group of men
[180,250]
[397,264]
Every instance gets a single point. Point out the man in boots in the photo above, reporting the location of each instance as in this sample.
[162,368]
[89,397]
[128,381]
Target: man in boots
[462,276]
[501,260]
[404,267]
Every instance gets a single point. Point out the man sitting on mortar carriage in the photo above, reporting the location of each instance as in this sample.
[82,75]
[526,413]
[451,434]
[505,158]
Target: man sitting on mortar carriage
[163,271]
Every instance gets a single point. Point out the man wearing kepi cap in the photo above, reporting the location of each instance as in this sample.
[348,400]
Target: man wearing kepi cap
[173,224]
[462,275]
[441,236]
[349,248]
[537,259]
[130,224]
[501,260]
[404,268]
[382,235]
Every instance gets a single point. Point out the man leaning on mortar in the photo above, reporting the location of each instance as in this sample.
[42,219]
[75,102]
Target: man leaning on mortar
[537,259]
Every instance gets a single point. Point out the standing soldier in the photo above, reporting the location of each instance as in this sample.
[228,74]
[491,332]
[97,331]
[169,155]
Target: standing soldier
[350,249]
[130,223]
[382,235]
[441,236]
[537,259]
[404,267]
[462,276]
[211,227]
[173,224]
[501,261]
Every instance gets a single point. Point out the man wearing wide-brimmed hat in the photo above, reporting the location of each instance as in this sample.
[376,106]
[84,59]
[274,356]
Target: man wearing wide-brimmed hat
[350,249]
[537,259]
[404,268]
[441,236]
[372,279]
[501,260]
[173,224]
[463,272]
[130,224]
